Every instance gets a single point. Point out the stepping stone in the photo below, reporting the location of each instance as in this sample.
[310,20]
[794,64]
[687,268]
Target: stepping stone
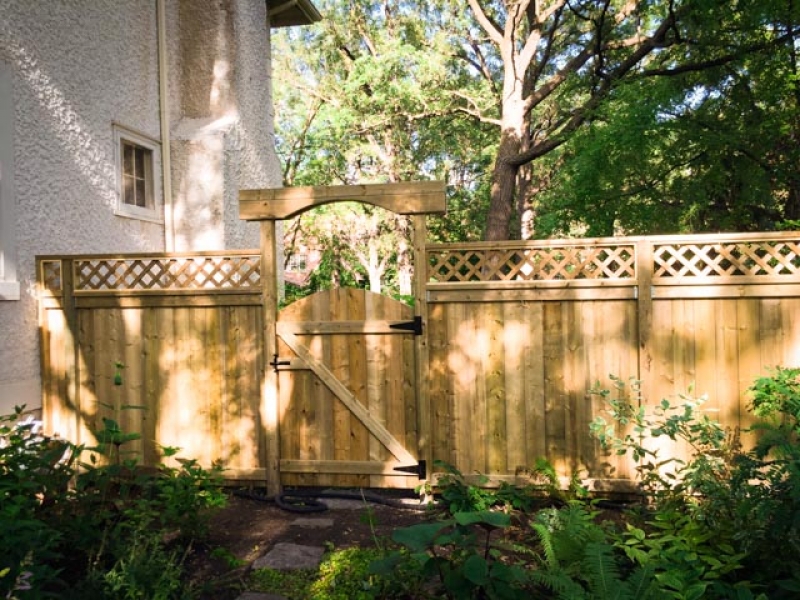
[285,557]
[311,523]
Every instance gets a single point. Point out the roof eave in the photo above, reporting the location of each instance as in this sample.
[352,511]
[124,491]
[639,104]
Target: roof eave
[291,13]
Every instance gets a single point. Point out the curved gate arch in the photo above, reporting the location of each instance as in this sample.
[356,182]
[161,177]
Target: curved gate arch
[336,355]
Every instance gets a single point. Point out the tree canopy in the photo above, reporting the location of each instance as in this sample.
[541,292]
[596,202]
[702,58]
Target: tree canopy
[553,117]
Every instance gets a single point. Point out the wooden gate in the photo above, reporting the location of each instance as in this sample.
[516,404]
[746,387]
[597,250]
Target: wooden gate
[347,392]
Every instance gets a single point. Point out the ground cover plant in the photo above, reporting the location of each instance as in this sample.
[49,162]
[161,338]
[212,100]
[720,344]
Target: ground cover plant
[101,529]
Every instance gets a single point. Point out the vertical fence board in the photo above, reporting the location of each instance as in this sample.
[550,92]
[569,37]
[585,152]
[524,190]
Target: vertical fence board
[476,421]
[534,384]
[555,394]
[490,320]
[152,386]
[440,384]
[516,341]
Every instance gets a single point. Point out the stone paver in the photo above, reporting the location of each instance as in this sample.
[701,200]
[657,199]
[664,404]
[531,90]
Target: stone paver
[284,556]
[260,596]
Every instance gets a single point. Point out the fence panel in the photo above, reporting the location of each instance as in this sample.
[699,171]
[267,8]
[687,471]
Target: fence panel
[706,314]
[163,346]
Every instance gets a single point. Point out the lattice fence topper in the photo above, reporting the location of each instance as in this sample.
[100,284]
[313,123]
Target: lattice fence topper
[168,273]
[731,259]
[556,263]
[51,275]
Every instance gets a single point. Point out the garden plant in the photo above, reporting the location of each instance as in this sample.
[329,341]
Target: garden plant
[96,529]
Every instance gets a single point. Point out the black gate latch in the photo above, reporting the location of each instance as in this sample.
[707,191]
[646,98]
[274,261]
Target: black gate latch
[279,363]
[414,326]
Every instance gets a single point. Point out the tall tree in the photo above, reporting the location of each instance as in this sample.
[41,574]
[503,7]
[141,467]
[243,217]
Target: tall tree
[709,150]
[366,96]
[558,62]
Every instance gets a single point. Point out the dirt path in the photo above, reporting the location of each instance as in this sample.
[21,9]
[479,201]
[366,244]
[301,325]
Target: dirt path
[246,529]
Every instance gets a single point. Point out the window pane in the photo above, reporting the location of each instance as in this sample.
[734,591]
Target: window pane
[141,199]
[141,153]
[127,190]
[136,177]
[127,159]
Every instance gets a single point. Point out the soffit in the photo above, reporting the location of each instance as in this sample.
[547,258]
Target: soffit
[290,13]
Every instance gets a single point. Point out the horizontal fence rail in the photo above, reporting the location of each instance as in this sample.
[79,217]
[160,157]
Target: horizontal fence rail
[515,335]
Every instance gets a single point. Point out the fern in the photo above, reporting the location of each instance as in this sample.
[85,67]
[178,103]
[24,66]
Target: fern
[560,583]
[546,541]
[601,571]
[641,583]
[579,561]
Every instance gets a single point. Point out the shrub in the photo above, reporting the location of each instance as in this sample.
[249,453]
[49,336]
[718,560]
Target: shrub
[716,520]
[87,531]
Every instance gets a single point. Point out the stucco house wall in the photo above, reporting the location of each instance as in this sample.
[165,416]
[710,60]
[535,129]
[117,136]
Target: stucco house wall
[73,71]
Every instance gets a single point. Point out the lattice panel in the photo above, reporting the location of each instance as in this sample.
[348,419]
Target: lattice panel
[735,259]
[51,275]
[189,273]
[532,264]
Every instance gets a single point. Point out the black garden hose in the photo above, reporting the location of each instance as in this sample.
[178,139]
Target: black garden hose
[308,501]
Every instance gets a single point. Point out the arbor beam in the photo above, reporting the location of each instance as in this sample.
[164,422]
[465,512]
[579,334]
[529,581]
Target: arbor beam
[409,198]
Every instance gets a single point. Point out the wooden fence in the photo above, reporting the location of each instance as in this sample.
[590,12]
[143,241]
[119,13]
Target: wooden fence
[515,335]
[188,332]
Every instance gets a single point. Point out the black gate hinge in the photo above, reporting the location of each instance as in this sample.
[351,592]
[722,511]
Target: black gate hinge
[414,326]
[420,469]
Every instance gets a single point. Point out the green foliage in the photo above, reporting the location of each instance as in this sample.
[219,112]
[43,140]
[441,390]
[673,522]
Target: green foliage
[670,476]
[454,558]
[458,495]
[577,558]
[701,150]
[35,472]
[716,518]
[342,575]
[71,530]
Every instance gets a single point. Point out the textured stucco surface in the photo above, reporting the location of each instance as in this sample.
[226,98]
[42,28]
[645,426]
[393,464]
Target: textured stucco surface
[79,67]
[227,122]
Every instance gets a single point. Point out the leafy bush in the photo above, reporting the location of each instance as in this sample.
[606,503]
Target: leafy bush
[73,530]
[34,476]
[458,495]
[453,558]
[577,558]
[717,519]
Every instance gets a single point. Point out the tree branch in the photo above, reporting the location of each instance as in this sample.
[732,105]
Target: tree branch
[488,25]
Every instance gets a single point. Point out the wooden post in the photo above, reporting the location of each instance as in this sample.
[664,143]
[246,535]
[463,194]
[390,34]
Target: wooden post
[270,408]
[424,426]
[71,375]
[644,310]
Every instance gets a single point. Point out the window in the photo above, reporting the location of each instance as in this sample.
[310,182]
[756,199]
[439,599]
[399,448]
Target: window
[9,286]
[296,262]
[136,164]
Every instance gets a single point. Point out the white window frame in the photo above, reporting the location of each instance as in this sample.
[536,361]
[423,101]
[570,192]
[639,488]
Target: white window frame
[9,285]
[154,212]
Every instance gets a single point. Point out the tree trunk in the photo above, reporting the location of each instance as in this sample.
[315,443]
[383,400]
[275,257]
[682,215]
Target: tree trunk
[504,174]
